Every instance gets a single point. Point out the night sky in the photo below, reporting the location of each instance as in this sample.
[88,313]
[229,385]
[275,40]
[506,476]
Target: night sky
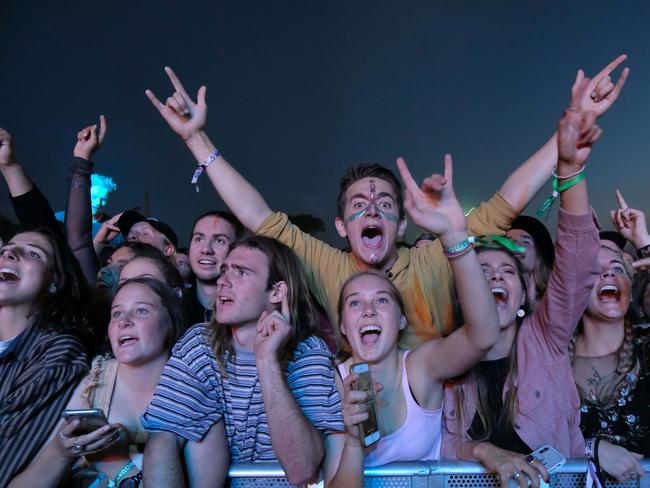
[297,91]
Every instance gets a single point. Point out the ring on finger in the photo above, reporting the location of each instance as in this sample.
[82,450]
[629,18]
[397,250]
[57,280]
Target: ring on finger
[76,447]
[529,458]
[516,474]
[62,435]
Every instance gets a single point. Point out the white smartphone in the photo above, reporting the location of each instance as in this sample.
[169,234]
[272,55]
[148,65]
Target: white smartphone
[369,429]
[90,419]
[550,458]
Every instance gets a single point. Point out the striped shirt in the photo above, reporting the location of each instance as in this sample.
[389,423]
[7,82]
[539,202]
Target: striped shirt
[192,394]
[38,373]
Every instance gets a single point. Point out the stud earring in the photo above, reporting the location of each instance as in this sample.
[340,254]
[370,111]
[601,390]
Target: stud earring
[52,288]
[521,313]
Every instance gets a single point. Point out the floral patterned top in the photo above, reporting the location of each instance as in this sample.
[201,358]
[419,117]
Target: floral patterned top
[625,420]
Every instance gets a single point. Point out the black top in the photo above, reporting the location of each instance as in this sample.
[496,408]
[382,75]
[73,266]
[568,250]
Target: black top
[626,420]
[503,435]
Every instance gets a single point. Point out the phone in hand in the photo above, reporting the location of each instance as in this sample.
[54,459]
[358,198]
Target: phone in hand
[550,458]
[90,419]
[369,430]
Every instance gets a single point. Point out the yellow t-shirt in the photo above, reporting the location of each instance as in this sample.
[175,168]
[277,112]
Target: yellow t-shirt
[422,275]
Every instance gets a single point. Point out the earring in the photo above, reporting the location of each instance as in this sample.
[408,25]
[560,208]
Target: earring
[52,288]
[521,313]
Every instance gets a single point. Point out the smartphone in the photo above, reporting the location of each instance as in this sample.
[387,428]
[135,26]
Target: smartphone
[90,419]
[550,458]
[369,430]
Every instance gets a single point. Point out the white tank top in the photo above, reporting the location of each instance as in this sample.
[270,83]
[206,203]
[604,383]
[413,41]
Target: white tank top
[417,439]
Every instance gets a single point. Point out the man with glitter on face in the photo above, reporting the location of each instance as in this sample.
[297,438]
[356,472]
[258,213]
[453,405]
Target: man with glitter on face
[372,217]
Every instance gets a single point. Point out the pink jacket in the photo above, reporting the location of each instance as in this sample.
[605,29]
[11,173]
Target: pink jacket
[548,406]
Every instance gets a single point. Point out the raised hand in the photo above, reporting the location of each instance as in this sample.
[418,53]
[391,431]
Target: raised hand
[601,92]
[89,140]
[577,131]
[183,115]
[107,232]
[7,157]
[630,223]
[433,205]
[273,332]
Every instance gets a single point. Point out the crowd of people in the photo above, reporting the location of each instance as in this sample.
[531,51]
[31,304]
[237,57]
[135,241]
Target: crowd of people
[485,340]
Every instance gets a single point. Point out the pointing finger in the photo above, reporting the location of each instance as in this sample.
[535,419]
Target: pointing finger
[176,82]
[621,201]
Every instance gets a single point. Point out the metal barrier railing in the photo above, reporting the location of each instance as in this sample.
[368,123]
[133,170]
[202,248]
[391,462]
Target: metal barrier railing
[442,474]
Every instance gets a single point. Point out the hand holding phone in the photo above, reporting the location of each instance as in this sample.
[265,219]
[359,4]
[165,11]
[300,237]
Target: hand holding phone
[369,428]
[90,419]
[86,431]
[549,457]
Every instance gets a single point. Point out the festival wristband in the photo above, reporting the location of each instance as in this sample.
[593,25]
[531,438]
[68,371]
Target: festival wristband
[199,170]
[457,251]
[545,208]
[497,241]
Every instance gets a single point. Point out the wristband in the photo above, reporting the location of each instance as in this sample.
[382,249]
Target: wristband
[554,173]
[457,251]
[497,241]
[590,445]
[545,208]
[199,170]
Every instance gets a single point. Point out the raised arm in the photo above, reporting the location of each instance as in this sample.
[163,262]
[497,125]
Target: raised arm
[30,205]
[296,442]
[529,178]
[631,223]
[187,118]
[576,249]
[434,207]
[78,213]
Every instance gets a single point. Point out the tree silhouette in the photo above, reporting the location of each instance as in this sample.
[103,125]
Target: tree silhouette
[308,223]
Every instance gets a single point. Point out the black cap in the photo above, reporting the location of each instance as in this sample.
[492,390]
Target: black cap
[131,217]
[615,237]
[540,235]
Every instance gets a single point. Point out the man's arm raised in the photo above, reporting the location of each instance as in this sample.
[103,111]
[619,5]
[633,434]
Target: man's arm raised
[187,119]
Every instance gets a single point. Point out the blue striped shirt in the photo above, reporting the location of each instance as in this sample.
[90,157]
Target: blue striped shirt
[192,394]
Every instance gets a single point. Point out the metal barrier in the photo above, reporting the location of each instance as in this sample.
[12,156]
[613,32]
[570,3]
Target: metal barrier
[443,474]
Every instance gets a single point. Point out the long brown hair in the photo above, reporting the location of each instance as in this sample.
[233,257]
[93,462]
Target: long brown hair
[475,377]
[283,266]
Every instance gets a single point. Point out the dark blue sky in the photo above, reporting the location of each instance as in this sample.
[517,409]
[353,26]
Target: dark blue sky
[297,91]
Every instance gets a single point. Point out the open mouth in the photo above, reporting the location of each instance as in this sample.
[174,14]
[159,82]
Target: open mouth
[207,262]
[609,293]
[372,236]
[370,334]
[224,300]
[126,340]
[8,274]
[500,296]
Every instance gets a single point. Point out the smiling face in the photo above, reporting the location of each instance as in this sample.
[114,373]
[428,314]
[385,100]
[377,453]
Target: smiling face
[371,222]
[529,258]
[242,292]
[370,317]
[25,268]
[138,326]
[610,296]
[211,238]
[500,269]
